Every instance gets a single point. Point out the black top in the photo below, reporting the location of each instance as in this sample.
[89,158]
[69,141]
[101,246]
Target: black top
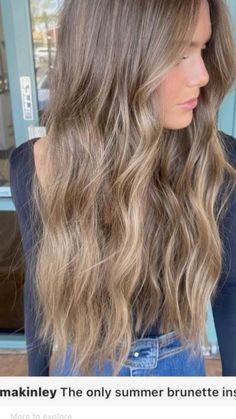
[224,306]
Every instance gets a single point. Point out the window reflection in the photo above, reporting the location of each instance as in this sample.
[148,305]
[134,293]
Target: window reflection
[44,20]
[7,141]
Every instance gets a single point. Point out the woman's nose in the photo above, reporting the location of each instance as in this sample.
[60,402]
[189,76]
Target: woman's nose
[199,75]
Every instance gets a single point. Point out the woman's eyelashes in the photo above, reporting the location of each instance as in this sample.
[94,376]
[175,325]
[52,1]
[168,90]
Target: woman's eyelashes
[204,51]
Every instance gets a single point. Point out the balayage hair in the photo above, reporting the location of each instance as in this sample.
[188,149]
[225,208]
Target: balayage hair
[129,210]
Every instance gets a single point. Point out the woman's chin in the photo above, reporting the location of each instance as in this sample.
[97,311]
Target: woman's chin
[180,122]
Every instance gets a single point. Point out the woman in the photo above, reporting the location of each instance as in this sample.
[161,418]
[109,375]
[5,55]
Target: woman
[130,190]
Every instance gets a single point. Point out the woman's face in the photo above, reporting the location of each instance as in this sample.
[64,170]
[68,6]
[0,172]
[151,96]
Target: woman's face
[184,81]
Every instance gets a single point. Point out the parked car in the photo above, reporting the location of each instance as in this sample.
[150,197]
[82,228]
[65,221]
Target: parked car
[43,91]
[42,54]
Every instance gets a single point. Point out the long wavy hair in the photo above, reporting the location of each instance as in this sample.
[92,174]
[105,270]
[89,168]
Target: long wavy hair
[129,211]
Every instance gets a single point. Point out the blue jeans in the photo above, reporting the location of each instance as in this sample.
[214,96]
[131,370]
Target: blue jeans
[162,355]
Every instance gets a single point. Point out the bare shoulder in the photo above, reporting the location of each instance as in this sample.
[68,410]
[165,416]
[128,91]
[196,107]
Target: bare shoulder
[39,150]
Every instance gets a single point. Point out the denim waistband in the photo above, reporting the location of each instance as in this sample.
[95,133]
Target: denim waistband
[145,358]
[147,351]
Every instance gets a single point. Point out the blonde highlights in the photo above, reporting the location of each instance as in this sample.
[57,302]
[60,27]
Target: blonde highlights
[130,211]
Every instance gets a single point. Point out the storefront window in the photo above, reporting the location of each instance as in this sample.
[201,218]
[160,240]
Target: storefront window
[44,18]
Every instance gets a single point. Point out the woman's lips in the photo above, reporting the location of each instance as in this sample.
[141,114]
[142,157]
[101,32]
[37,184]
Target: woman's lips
[189,105]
